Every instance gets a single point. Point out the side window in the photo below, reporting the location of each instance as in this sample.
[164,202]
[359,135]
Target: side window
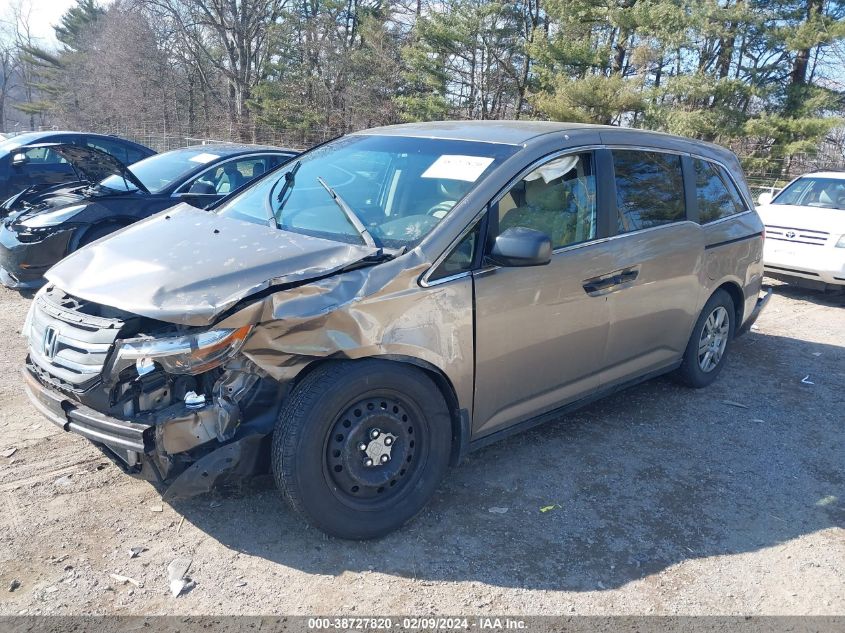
[133,155]
[237,173]
[275,160]
[461,258]
[739,203]
[253,168]
[224,179]
[649,189]
[558,198]
[109,147]
[717,197]
[43,156]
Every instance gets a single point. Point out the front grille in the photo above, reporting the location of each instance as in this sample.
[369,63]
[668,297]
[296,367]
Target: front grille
[796,236]
[67,344]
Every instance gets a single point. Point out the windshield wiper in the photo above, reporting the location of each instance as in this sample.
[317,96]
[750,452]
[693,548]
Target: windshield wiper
[353,218]
[290,179]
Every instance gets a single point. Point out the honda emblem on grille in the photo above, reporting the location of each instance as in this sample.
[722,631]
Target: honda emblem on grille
[51,342]
[790,234]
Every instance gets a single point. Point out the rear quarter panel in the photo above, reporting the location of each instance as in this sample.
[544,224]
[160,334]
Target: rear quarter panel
[734,254]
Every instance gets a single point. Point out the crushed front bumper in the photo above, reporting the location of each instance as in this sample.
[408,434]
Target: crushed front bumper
[128,440]
[761,304]
[140,448]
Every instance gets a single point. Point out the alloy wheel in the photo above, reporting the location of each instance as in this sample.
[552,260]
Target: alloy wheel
[714,339]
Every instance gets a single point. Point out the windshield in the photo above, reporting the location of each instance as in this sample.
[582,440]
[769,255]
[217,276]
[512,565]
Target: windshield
[828,193]
[158,171]
[398,188]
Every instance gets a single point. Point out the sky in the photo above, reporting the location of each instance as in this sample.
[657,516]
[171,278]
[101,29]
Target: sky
[43,15]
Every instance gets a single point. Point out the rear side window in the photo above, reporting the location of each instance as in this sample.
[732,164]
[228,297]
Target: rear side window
[117,150]
[716,194]
[276,160]
[649,189]
[134,155]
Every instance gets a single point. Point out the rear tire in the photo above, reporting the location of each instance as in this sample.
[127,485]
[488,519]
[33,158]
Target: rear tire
[360,446]
[710,342]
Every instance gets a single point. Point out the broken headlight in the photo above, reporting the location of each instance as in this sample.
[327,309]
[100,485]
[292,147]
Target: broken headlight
[190,354]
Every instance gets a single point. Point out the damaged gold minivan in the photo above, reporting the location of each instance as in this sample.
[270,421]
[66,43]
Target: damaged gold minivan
[366,315]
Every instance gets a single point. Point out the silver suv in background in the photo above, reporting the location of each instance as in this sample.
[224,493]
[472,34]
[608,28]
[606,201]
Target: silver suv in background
[393,299]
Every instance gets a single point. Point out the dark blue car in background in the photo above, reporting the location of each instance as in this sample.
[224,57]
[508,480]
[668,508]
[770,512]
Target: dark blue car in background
[22,166]
[41,227]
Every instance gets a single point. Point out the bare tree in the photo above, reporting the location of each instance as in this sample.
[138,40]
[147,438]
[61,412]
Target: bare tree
[233,37]
[8,66]
[26,66]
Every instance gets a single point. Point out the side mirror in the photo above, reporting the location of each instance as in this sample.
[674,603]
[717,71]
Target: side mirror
[19,159]
[521,246]
[765,198]
[202,188]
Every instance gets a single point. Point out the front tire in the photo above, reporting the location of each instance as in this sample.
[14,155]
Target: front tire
[97,232]
[360,446]
[710,342]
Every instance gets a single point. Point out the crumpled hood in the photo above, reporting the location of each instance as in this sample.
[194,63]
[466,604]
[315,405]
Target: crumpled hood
[187,266]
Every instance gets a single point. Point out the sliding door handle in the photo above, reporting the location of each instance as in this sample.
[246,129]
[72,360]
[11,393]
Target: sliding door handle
[628,275]
[597,285]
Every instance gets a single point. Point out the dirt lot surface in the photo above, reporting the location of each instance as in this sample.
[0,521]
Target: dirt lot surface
[663,501]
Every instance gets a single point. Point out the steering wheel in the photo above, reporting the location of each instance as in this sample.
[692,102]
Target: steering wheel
[440,209]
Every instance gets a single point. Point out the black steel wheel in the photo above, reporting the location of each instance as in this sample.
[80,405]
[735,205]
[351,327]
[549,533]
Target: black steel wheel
[360,446]
[371,451]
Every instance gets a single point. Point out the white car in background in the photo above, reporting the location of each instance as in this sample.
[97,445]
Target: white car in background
[805,231]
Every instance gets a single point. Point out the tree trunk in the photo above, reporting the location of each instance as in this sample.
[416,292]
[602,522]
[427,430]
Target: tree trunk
[798,75]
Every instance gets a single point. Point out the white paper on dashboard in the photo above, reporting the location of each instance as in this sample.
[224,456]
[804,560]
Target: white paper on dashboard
[456,167]
[204,158]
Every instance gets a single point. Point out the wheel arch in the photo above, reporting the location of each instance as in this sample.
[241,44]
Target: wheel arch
[737,296]
[115,223]
[460,418]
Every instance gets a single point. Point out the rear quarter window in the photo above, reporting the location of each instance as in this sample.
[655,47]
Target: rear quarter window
[715,193]
[649,189]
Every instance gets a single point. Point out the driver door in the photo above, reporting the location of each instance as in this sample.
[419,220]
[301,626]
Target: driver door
[541,331]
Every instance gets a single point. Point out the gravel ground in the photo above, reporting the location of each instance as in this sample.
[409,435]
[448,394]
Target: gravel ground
[663,501]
